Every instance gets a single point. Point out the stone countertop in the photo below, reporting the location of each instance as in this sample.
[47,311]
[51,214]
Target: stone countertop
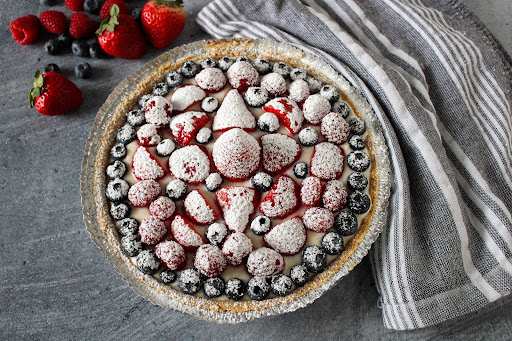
[55,283]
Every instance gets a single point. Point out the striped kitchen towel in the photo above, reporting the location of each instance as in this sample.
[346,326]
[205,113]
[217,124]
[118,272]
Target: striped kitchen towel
[441,87]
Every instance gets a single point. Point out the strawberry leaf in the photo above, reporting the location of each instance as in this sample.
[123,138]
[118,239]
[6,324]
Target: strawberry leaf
[37,89]
[110,24]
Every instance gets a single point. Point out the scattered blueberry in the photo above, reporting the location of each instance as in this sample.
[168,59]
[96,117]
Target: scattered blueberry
[117,190]
[92,6]
[165,147]
[281,285]
[189,281]
[136,13]
[330,92]
[308,137]
[52,47]
[174,79]
[263,182]
[119,211]
[314,85]
[357,126]
[51,68]
[214,287]
[207,62]
[210,104]
[128,226]
[299,275]
[298,73]
[358,202]
[65,39]
[161,89]
[332,243]
[95,51]
[126,134]
[235,289]
[189,69]
[341,108]
[357,181]
[356,142]
[168,276]
[256,96]
[261,225]
[244,59]
[143,100]
[282,68]
[262,65]
[204,135]
[216,233]
[136,118]
[80,48]
[147,262]
[213,182]
[300,170]
[314,258]
[258,288]
[225,63]
[345,223]
[131,245]
[358,161]
[176,189]
[48,2]
[118,152]
[83,70]
[116,169]
[268,122]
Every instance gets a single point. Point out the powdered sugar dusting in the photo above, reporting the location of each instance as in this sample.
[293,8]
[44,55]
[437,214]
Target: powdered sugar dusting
[143,192]
[184,126]
[151,230]
[334,128]
[315,108]
[318,219]
[279,151]
[298,90]
[265,262]
[171,254]
[236,247]
[198,209]
[233,113]
[237,205]
[148,135]
[210,260]
[162,208]
[190,164]
[327,161]
[184,234]
[242,75]
[158,111]
[144,166]
[288,112]
[288,237]
[282,199]
[311,191]
[274,83]
[211,79]
[184,97]
[335,196]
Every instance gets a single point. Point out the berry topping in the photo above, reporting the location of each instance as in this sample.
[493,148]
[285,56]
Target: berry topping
[161,89]
[330,93]
[235,289]
[208,63]
[263,182]
[265,262]
[341,108]
[147,262]
[210,104]
[298,74]
[282,68]
[268,122]
[311,191]
[261,225]
[148,135]
[190,164]
[357,126]
[25,30]
[213,182]
[165,147]
[189,69]
[288,237]
[216,233]
[185,126]
[357,181]
[158,111]
[186,96]
[176,189]
[225,63]
[211,79]
[256,96]
[126,134]
[136,118]
[233,113]
[274,83]
[162,208]
[279,152]
[214,287]
[314,258]
[258,288]
[242,75]
[174,79]
[131,245]
[281,285]
[282,199]
[117,190]
[287,111]
[308,137]
[189,281]
[145,166]
[358,161]
[334,128]
[204,135]
[209,260]
[359,202]
[335,196]
[236,154]
[128,226]
[300,170]
[151,230]
[299,90]
[185,234]
[167,276]
[198,209]
[318,219]
[143,193]
[236,247]
[262,65]
[332,243]
[315,108]
[356,142]
[314,85]
[237,204]
[299,275]
[53,21]
[118,152]
[119,211]
[116,169]
[327,161]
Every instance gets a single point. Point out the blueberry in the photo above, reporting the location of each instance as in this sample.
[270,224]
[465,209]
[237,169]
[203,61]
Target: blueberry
[48,2]
[356,142]
[268,122]
[244,59]
[65,39]
[357,126]
[258,288]
[117,190]
[235,289]
[80,48]
[262,65]
[190,281]
[119,211]
[213,182]
[300,170]
[214,287]
[281,285]
[131,245]
[314,85]
[143,100]
[128,226]
[299,275]
[282,68]
[345,223]
[216,233]
[341,108]
[136,118]
[116,169]
[83,70]
[92,6]
[52,47]
[357,181]
[314,258]
[165,147]
[204,135]
[358,202]
[332,243]
[225,63]
[174,79]
[330,92]
[126,134]
[308,137]
[176,189]
[256,96]
[51,68]
[263,182]
[207,62]
[161,89]
[298,73]
[261,225]
[189,69]
[95,51]
[358,161]
[168,276]
[136,13]
[118,152]
[210,104]
[147,262]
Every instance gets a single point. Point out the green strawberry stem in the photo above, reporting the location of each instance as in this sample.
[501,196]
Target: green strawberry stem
[110,24]
[37,89]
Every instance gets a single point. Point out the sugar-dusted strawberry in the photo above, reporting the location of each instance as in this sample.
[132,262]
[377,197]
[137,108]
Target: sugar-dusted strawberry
[105,8]
[143,193]
[233,113]
[274,83]
[151,230]
[53,21]
[237,204]
[185,234]
[198,209]
[335,196]
[120,36]
[318,219]
[282,199]
[190,164]
[186,96]
[162,208]
[236,154]
[162,21]
[81,26]
[75,5]
[185,126]
[145,166]
[287,111]
[311,191]
[211,79]
[334,128]
[241,75]
[327,161]
[265,262]
[279,152]
[288,237]
[209,260]
[158,111]
[315,108]
[54,94]
[171,254]
[25,30]
[237,247]
[298,90]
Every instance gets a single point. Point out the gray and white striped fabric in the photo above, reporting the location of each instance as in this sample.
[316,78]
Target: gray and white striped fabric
[441,86]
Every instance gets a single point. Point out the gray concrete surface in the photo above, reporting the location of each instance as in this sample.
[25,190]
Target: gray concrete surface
[56,285]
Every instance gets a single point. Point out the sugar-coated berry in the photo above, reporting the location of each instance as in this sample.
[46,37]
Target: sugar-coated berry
[161,89]
[244,59]
[330,92]
[92,6]
[298,73]
[225,63]
[261,181]
[168,276]
[210,104]
[356,142]
[314,258]
[213,182]
[214,287]
[282,68]
[65,40]
[300,170]
[341,108]
[207,62]
[357,181]
[136,13]
[147,262]
[358,202]
[174,79]
[204,135]
[118,152]
[117,190]
[136,118]
[235,289]
[308,137]
[144,100]
[51,68]
[190,281]
[52,47]
[176,189]
[268,122]
[332,243]
[95,51]
[314,85]
[258,288]
[119,210]
[261,225]
[281,285]
[128,226]
[256,96]
[358,161]
[345,223]
[216,233]
[299,275]
[80,48]
[126,134]
[131,245]
[83,70]
[262,65]
[357,126]
[165,147]
[189,69]
[116,169]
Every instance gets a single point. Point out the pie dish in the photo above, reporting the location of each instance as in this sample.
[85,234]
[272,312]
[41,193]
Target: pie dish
[235,179]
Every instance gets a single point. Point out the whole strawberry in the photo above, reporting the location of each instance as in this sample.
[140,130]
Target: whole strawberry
[105,9]
[163,21]
[75,5]
[54,94]
[53,21]
[120,36]
[81,26]
[25,30]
